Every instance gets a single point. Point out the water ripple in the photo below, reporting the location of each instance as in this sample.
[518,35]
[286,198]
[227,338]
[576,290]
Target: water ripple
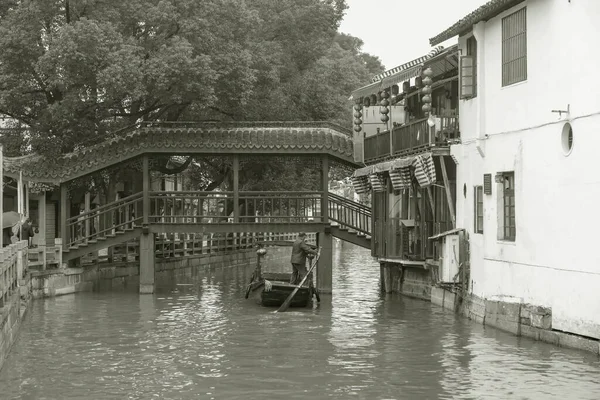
[203,340]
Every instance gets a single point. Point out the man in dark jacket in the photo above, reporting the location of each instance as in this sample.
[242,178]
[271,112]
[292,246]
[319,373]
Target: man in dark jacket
[299,252]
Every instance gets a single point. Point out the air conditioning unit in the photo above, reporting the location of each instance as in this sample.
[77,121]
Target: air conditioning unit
[450,259]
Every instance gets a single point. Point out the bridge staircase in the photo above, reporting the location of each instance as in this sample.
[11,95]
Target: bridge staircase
[350,221]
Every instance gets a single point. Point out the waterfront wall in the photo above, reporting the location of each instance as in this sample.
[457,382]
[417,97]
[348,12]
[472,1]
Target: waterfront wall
[123,275]
[507,314]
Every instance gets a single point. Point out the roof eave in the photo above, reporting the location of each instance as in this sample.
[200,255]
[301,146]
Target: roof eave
[484,13]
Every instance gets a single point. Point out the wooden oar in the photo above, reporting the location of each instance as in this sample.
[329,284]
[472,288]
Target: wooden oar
[288,301]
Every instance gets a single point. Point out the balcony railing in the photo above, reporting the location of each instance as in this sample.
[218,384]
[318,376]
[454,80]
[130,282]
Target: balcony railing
[411,138]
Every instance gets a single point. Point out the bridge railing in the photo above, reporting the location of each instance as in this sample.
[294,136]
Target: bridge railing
[172,207]
[9,270]
[104,221]
[274,207]
[350,214]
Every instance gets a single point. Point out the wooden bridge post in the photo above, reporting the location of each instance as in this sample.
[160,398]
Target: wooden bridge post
[324,267]
[145,190]
[147,242]
[64,214]
[236,188]
[325,189]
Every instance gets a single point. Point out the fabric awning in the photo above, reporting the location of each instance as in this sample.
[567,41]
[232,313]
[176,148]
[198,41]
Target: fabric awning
[399,171]
[384,166]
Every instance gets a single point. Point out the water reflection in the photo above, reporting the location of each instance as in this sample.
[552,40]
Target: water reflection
[199,338]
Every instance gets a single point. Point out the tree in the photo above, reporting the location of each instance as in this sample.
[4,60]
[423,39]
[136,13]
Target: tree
[77,71]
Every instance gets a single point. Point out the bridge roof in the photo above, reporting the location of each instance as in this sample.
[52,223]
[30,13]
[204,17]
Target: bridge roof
[189,138]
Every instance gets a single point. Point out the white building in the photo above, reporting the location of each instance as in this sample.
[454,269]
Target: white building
[527,192]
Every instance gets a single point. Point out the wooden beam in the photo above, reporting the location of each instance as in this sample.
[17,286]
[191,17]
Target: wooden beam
[64,214]
[236,188]
[448,192]
[325,189]
[145,189]
[431,202]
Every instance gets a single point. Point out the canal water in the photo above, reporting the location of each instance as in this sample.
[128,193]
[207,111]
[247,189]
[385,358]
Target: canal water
[204,341]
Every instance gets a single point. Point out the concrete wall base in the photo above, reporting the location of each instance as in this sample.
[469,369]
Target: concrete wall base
[520,319]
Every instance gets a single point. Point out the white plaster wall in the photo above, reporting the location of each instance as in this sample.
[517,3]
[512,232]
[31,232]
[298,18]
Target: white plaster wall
[553,261]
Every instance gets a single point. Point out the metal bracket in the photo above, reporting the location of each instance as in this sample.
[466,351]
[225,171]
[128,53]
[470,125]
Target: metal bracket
[560,112]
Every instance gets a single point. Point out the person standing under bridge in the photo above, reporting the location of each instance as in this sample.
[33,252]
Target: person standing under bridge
[300,250]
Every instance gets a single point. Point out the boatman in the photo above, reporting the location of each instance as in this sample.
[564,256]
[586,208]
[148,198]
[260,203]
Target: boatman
[300,250]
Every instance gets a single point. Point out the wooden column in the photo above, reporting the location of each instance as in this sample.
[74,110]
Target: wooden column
[236,188]
[325,189]
[147,263]
[145,190]
[87,207]
[324,267]
[64,214]
[1,192]
[448,192]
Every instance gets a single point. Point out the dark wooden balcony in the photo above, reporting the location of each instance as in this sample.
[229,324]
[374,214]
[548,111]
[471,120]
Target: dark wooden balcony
[411,138]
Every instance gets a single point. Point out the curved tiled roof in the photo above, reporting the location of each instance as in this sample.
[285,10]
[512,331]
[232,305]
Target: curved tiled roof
[483,13]
[190,138]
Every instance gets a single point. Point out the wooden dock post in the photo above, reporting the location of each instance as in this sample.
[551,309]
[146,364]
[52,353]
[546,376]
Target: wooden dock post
[324,268]
[147,263]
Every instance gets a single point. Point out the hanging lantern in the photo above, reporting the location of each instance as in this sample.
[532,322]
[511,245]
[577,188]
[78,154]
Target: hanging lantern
[428,72]
[426,107]
[384,102]
[373,100]
[357,128]
[357,114]
[357,106]
[357,121]
[385,118]
[367,102]
[383,110]
[406,86]
[419,82]
[426,90]
[395,90]
[426,98]
[427,81]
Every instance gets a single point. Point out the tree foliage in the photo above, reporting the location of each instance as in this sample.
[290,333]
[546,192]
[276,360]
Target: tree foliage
[76,71]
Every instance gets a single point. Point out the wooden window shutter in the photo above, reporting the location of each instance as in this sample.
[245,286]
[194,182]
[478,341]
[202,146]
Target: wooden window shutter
[487,183]
[467,69]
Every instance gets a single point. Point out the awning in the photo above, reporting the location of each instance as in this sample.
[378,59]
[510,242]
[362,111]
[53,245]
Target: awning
[398,74]
[372,88]
[424,169]
[361,184]
[384,166]
[399,171]
[378,182]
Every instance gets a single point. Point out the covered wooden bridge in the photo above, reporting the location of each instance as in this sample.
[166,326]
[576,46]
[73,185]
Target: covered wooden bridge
[136,206]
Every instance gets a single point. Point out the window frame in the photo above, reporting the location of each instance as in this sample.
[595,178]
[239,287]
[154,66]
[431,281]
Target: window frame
[509,221]
[471,50]
[514,47]
[478,209]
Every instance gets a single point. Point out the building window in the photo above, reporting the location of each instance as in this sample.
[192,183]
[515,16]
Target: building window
[514,48]
[567,139]
[478,209]
[472,53]
[508,202]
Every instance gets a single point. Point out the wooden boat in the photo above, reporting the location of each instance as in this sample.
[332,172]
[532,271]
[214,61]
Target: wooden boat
[275,287]
[271,289]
